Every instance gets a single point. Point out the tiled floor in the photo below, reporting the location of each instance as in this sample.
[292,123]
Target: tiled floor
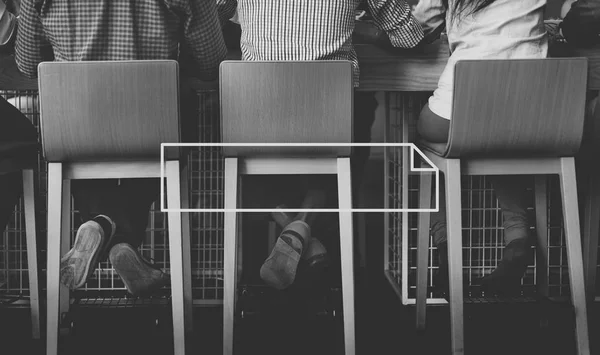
[384,327]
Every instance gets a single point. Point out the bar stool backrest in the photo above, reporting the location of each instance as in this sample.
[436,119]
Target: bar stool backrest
[286,102]
[532,107]
[108,111]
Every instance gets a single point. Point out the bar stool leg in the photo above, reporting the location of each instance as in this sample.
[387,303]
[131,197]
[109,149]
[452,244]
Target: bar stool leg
[65,245]
[54,249]
[176,256]
[568,188]
[455,262]
[346,252]
[240,237]
[541,229]
[230,253]
[32,261]
[187,252]
[423,247]
[591,230]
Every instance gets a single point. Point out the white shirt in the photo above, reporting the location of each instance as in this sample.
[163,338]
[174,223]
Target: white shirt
[506,29]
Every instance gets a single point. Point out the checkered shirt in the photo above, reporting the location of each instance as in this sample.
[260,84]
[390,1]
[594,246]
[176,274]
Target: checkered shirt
[82,30]
[314,29]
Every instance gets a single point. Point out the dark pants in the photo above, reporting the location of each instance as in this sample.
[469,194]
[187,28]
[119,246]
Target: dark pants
[18,148]
[126,202]
[365,105]
[510,190]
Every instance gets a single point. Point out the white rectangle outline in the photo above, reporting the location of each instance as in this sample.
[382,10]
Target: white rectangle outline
[413,147]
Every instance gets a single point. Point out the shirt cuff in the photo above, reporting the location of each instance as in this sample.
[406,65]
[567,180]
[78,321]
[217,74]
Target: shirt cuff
[408,36]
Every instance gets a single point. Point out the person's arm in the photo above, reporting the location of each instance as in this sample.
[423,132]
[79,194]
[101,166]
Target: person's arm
[431,14]
[226,10]
[395,18]
[29,48]
[203,36]
[581,25]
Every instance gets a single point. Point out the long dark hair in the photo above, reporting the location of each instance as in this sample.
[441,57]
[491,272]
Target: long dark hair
[468,7]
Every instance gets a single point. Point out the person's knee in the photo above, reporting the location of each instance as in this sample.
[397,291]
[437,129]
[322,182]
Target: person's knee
[433,127]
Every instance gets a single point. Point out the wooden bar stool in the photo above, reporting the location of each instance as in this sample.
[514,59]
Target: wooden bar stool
[510,117]
[23,156]
[107,120]
[27,168]
[291,102]
[591,209]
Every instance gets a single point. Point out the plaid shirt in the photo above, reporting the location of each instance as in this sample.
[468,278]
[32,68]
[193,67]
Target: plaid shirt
[314,29]
[81,30]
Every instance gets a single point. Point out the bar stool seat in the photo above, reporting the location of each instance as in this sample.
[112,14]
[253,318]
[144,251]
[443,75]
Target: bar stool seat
[291,102]
[525,118]
[436,148]
[107,120]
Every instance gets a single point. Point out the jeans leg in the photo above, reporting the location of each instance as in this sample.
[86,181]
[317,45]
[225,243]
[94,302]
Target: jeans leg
[438,219]
[96,197]
[14,128]
[435,129]
[510,191]
[365,105]
[137,196]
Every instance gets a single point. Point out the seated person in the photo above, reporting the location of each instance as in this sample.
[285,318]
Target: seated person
[18,136]
[115,213]
[483,29]
[314,30]
[8,26]
[581,27]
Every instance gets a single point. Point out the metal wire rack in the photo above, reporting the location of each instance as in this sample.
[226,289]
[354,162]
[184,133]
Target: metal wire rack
[482,220]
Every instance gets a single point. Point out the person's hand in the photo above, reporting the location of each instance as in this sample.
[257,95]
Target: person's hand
[367,33]
[553,30]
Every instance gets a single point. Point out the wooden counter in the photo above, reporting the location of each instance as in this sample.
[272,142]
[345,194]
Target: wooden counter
[381,69]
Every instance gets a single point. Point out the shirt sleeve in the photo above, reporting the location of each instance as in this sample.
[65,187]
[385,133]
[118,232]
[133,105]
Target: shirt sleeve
[581,25]
[431,14]
[203,36]
[226,10]
[30,44]
[395,18]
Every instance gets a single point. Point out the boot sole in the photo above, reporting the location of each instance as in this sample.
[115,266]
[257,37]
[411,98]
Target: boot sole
[76,265]
[131,268]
